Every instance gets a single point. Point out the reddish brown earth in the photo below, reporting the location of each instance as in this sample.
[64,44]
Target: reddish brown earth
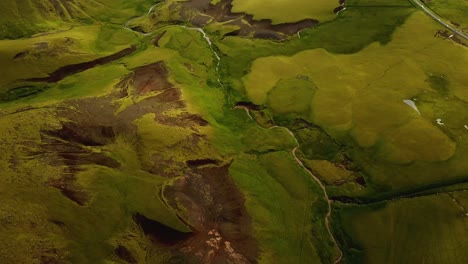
[221,12]
[214,208]
[208,200]
[150,78]
[201,13]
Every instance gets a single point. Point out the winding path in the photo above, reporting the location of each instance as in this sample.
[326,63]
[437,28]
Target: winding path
[437,18]
[315,178]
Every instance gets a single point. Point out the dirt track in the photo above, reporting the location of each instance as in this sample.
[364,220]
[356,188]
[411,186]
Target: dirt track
[315,178]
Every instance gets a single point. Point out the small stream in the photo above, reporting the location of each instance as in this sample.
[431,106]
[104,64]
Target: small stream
[204,34]
[210,44]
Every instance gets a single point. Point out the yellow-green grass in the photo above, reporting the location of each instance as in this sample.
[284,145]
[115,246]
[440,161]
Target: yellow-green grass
[89,230]
[27,17]
[43,219]
[46,53]
[101,81]
[17,129]
[149,55]
[286,207]
[220,28]
[231,138]
[315,143]
[453,11]
[361,95]
[282,199]
[95,82]
[134,183]
[282,101]
[283,11]
[172,142]
[191,64]
[329,171]
[260,141]
[93,231]
[350,32]
[190,44]
[276,178]
[157,135]
[428,229]
[377,3]
[360,92]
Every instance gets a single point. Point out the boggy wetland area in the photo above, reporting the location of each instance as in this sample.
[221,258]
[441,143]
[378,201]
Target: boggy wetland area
[233,131]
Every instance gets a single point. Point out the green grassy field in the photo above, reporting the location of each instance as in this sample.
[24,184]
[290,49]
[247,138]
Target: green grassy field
[119,193]
[26,18]
[278,191]
[351,92]
[281,11]
[428,229]
[145,158]
[452,11]
[355,95]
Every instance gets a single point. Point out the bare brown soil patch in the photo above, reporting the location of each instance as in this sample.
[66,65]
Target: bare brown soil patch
[215,210]
[201,13]
[248,105]
[221,12]
[70,189]
[150,78]
[212,204]
[124,254]
[160,233]
[86,134]
[201,162]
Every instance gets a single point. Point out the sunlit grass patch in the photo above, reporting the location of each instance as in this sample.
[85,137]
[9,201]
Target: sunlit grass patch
[283,11]
[283,202]
[406,230]
[362,95]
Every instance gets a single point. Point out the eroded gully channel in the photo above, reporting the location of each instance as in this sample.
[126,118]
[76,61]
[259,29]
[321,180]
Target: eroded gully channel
[207,38]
